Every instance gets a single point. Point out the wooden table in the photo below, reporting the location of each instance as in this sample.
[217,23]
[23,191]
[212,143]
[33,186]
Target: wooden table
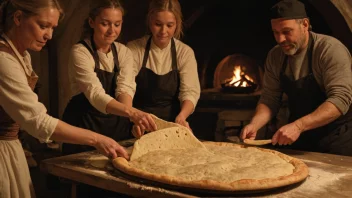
[330,176]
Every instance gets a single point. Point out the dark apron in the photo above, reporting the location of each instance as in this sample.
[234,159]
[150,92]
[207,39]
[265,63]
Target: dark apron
[158,94]
[79,112]
[304,97]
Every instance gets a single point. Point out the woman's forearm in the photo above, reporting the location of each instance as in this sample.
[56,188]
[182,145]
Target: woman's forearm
[125,99]
[118,108]
[142,119]
[74,135]
[187,108]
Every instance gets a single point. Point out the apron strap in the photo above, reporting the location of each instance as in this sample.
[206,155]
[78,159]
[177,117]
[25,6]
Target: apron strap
[94,53]
[116,58]
[146,52]
[96,59]
[173,54]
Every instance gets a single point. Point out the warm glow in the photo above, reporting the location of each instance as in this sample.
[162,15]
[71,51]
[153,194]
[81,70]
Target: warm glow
[237,78]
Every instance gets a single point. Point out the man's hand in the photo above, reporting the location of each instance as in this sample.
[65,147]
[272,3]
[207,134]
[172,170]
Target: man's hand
[287,134]
[249,132]
[109,147]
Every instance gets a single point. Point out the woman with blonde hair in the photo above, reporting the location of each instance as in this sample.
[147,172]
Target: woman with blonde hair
[29,24]
[165,68]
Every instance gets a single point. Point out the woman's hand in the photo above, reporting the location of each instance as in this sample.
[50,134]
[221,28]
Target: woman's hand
[181,120]
[143,120]
[109,147]
[137,132]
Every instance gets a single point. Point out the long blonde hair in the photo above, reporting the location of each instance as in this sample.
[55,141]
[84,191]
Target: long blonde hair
[172,6]
[28,7]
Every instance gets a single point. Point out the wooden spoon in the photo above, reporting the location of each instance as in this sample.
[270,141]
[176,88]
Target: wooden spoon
[256,142]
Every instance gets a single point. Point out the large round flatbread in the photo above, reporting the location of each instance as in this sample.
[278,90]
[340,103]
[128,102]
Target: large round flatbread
[174,156]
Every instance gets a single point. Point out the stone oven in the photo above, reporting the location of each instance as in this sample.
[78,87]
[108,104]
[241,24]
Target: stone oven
[238,73]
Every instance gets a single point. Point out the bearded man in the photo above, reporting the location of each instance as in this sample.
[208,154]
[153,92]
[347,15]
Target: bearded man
[314,71]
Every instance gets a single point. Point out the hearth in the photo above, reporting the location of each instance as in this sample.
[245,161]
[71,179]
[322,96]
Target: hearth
[238,73]
[229,105]
[239,83]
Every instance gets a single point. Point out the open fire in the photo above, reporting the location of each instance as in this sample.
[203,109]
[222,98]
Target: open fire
[237,73]
[240,81]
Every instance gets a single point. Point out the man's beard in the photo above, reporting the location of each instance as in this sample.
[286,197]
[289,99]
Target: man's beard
[295,47]
[292,50]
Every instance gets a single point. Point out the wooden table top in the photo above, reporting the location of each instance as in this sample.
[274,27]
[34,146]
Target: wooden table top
[330,176]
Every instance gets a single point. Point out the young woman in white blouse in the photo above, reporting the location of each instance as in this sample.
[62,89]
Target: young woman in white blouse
[29,24]
[166,68]
[101,76]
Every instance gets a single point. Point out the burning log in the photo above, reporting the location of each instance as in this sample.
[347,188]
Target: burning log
[239,83]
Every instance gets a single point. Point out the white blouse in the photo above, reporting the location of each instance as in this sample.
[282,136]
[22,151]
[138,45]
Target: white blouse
[17,98]
[83,78]
[159,61]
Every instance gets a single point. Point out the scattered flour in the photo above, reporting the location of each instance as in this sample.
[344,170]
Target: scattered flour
[319,182]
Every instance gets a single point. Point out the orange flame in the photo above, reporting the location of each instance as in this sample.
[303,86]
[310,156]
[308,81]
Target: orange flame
[236,78]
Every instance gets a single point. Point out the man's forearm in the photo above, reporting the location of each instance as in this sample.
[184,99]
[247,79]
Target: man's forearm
[262,116]
[324,114]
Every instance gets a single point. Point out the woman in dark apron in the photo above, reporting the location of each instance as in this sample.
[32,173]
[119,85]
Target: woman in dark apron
[83,109]
[167,82]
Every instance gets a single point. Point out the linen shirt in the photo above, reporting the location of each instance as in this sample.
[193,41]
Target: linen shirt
[83,78]
[331,65]
[17,98]
[159,61]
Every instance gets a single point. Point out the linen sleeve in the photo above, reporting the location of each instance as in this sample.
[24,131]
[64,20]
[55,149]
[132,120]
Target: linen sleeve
[83,67]
[137,51]
[189,80]
[126,79]
[21,103]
